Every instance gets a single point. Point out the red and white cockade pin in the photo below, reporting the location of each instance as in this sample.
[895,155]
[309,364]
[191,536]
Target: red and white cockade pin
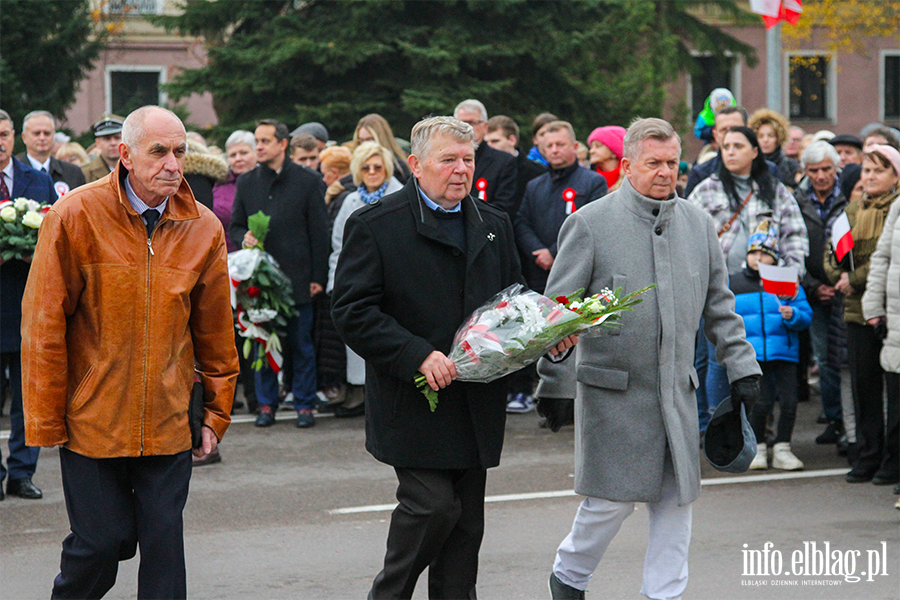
[569,197]
[481,186]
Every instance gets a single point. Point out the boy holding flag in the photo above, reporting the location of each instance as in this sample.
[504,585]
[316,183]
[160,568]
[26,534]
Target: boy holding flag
[775,310]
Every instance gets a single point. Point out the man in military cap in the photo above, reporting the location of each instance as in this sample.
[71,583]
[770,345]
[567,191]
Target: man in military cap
[107,136]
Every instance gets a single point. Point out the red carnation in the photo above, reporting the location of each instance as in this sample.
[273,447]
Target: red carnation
[562,299]
[253,291]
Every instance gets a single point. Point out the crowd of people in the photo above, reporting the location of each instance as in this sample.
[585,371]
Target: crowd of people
[363,227]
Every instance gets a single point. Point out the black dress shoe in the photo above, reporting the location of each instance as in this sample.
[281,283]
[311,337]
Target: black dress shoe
[855,476]
[2,495]
[23,488]
[886,478]
[561,591]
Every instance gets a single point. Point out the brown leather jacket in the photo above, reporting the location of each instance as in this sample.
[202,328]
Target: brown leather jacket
[113,326]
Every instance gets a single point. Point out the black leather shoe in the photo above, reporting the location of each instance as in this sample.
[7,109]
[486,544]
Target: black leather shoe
[886,478]
[832,433]
[2,495]
[265,418]
[855,476]
[561,591]
[23,488]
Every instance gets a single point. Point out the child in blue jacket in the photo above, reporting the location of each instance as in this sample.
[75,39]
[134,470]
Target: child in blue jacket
[772,324]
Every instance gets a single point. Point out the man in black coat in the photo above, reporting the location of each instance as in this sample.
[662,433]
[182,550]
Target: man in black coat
[821,203]
[550,198]
[496,174]
[38,128]
[503,134]
[298,238]
[414,266]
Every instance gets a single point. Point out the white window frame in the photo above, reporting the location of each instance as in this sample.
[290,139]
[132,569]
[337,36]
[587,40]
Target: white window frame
[736,73]
[162,70]
[882,81]
[831,106]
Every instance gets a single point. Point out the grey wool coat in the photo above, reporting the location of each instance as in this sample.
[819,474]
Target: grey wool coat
[634,386]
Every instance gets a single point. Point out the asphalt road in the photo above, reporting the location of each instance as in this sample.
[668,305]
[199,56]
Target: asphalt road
[269,522]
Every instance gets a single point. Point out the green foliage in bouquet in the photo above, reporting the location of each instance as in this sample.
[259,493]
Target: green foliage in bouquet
[20,220]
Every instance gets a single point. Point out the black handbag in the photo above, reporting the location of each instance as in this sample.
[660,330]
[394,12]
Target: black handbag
[195,414]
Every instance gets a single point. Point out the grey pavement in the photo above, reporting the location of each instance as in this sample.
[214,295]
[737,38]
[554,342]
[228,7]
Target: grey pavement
[262,524]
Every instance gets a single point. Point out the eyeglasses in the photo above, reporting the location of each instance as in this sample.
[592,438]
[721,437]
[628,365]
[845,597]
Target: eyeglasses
[372,168]
[473,123]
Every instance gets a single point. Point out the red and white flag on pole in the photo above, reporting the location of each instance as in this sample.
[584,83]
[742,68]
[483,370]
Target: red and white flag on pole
[775,11]
[781,281]
[841,238]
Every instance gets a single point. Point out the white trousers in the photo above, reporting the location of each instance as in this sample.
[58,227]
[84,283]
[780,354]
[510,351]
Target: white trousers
[597,523]
[356,368]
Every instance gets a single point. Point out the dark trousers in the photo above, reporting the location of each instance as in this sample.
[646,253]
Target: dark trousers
[524,380]
[879,446]
[778,384]
[22,459]
[302,357]
[114,506]
[439,524]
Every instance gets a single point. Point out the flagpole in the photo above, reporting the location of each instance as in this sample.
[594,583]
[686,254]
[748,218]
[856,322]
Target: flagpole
[774,78]
[852,268]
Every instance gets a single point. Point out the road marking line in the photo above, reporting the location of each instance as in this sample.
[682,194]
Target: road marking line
[567,493]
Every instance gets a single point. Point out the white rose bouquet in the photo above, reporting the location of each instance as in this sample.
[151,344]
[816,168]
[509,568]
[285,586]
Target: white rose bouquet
[518,326]
[20,220]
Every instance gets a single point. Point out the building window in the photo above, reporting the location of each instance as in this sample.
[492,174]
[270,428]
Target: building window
[810,81]
[891,96]
[130,87]
[132,7]
[711,72]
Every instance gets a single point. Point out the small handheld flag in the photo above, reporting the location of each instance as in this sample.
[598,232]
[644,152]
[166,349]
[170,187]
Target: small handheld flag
[781,281]
[841,238]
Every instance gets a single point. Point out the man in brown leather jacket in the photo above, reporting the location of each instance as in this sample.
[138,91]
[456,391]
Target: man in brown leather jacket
[128,294]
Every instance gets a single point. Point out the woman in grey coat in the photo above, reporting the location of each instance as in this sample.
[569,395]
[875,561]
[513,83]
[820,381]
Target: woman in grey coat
[637,437]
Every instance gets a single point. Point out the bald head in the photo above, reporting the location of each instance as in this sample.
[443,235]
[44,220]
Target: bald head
[153,148]
[134,129]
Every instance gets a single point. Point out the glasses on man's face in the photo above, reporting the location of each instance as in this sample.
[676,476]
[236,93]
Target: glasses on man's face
[473,123]
[372,168]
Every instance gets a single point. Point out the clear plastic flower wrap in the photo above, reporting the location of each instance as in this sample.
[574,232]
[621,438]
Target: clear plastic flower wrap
[518,326]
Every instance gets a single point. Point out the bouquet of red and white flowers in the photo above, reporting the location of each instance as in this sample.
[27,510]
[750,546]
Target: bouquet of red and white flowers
[20,220]
[517,327]
[261,296]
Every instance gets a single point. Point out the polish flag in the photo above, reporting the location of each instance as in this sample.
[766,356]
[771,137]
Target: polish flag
[775,11]
[781,281]
[841,238]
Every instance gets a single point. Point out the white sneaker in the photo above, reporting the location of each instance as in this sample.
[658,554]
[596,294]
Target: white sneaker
[760,461]
[519,403]
[783,458]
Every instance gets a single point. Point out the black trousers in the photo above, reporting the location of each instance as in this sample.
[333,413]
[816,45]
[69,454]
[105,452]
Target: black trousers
[439,524]
[778,384]
[114,506]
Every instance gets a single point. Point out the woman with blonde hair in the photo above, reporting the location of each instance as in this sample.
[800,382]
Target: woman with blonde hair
[772,132]
[372,168]
[73,152]
[375,128]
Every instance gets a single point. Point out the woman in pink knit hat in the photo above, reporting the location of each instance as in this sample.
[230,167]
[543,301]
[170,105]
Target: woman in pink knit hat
[605,147]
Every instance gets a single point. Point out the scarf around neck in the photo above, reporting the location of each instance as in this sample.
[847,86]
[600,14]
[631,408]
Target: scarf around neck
[871,215]
[369,198]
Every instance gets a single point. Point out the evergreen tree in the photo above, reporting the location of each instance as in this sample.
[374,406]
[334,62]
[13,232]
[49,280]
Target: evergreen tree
[594,62]
[46,49]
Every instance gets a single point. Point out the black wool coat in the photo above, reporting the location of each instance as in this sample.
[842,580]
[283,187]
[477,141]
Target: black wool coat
[401,291]
[500,172]
[299,237]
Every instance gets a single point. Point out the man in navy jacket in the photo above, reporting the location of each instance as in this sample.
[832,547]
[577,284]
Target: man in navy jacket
[19,180]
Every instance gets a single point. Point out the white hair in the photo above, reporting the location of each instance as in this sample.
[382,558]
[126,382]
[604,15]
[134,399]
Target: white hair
[38,113]
[133,130]
[240,136]
[819,151]
[645,129]
[471,105]
[426,130]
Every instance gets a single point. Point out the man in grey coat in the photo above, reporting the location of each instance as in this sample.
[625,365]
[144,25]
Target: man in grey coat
[637,436]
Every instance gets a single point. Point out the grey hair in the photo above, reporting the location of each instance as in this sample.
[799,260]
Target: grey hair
[241,136]
[133,130]
[4,116]
[471,105]
[38,113]
[645,129]
[426,130]
[819,151]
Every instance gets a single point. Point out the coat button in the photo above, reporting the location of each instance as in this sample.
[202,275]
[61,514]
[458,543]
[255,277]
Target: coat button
[655,212]
[659,231]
